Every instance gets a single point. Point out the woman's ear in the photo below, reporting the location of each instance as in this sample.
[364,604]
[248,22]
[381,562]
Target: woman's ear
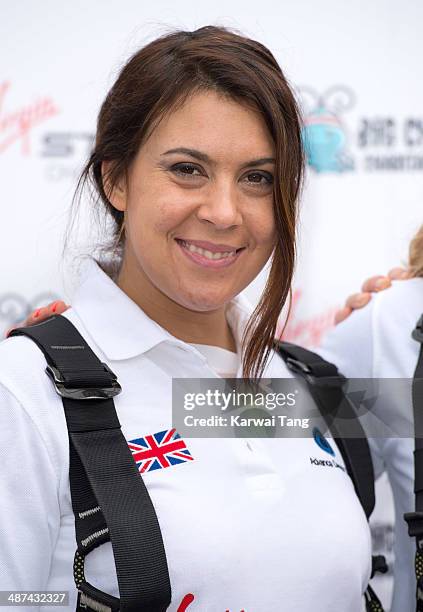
[116,194]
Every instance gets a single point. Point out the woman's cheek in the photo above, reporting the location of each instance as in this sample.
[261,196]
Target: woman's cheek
[265,234]
[167,217]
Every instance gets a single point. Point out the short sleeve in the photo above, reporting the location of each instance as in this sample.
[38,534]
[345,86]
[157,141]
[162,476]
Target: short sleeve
[349,345]
[29,506]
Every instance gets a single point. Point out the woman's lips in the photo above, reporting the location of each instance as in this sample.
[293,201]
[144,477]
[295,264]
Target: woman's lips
[205,261]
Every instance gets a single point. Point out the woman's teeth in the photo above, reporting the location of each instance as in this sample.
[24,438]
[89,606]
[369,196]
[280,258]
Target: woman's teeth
[205,253]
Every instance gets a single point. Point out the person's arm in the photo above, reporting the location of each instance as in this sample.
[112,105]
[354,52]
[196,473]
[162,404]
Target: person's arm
[29,506]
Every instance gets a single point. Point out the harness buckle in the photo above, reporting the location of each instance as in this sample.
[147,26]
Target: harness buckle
[319,381]
[83,393]
[414,521]
[88,602]
[417,333]
[379,565]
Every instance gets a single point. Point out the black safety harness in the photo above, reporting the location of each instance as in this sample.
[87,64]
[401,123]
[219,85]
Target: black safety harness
[415,519]
[109,498]
[325,384]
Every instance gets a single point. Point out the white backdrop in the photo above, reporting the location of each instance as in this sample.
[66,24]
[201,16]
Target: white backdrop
[356,66]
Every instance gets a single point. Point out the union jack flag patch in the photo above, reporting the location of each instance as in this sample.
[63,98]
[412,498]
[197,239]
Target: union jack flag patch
[159,450]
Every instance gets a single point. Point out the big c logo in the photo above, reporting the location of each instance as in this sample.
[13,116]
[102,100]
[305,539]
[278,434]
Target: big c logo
[324,135]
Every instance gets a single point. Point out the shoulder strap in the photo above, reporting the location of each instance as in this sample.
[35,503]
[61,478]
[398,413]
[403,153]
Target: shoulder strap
[109,498]
[415,519]
[325,385]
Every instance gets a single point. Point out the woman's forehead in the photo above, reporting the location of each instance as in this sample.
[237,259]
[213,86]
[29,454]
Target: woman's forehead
[211,123]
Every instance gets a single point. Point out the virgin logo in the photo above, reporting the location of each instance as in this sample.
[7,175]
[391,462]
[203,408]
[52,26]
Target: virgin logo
[16,125]
[187,600]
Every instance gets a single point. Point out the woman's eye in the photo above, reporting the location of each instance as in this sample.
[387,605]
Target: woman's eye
[260,178]
[185,170]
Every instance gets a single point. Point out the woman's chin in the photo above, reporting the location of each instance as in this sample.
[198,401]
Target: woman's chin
[203,303]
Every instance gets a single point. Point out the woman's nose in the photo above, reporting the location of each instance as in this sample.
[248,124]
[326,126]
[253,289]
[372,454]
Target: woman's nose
[220,206]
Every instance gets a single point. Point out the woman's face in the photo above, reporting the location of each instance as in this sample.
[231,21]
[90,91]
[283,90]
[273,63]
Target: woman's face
[198,204]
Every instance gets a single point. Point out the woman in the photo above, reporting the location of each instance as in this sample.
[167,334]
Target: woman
[198,160]
[376,342]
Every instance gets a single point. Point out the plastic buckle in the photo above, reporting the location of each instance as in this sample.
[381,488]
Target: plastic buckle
[79,393]
[320,381]
[379,565]
[88,603]
[417,333]
[300,368]
[415,524]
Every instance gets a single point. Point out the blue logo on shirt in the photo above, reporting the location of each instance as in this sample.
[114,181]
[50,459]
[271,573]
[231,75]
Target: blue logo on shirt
[321,441]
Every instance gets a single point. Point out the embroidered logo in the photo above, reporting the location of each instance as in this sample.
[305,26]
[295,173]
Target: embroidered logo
[159,450]
[321,441]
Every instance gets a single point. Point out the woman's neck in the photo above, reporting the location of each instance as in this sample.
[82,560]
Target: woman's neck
[196,327]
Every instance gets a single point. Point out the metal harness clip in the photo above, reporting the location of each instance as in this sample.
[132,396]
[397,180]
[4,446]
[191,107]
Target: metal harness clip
[321,381]
[86,393]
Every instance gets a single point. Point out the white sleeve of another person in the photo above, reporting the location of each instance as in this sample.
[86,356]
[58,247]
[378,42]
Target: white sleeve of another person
[350,347]
[29,507]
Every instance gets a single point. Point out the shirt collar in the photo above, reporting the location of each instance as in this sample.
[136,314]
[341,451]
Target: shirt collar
[121,328]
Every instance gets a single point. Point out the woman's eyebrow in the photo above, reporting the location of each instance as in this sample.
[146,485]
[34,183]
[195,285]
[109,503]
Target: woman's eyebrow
[205,158]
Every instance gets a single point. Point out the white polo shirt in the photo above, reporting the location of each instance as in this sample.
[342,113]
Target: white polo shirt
[248,524]
[376,342]
[223,362]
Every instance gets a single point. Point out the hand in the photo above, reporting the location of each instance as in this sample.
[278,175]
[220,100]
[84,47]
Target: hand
[57,307]
[371,285]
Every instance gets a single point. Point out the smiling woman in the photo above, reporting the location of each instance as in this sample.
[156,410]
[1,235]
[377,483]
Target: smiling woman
[205,153]
[198,161]
[197,234]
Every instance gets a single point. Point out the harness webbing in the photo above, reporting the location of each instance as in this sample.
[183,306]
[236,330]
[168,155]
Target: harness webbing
[325,385]
[109,498]
[415,519]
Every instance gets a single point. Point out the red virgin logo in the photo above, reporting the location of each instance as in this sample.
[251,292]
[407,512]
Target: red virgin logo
[187,600]
[308,332]
[16,125]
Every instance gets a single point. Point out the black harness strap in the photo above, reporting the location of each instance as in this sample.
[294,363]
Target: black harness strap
[415,519]
[325,384]
[109,498]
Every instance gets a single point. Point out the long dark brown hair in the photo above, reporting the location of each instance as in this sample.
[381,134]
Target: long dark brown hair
[156,80]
